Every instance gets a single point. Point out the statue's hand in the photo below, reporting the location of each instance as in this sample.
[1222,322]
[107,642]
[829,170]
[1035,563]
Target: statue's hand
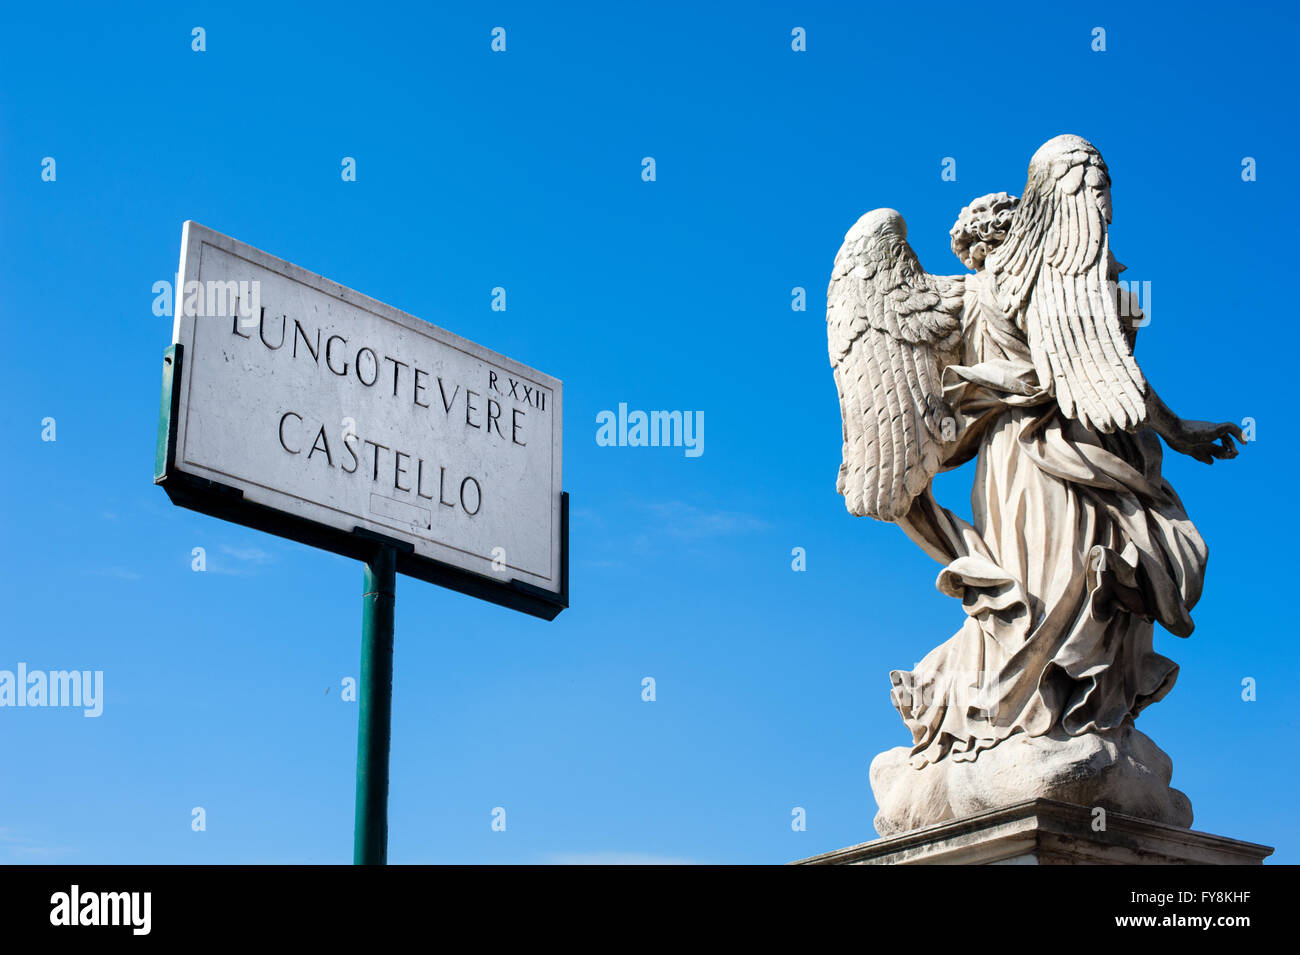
[1205,440]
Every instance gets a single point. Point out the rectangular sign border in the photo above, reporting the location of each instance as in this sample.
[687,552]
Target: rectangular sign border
[195,238]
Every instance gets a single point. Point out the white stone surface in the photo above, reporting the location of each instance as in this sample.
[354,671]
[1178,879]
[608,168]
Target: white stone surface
[361,415]
[1048,832]
[1118,771]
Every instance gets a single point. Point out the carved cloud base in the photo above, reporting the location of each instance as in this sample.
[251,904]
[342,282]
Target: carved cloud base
[1121,771]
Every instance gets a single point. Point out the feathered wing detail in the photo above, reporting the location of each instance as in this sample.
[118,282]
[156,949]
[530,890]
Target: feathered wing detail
[889,324]
[1056,277]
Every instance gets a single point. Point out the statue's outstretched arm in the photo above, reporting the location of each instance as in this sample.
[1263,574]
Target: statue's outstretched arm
[1203,440]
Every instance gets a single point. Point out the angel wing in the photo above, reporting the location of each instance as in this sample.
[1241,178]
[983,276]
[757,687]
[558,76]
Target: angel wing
[1055,275]
[888,325]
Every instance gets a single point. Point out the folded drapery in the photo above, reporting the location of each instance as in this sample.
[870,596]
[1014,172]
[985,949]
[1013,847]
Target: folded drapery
[1076,547]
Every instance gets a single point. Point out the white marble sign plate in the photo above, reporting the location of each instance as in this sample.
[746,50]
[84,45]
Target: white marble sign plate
[324,404]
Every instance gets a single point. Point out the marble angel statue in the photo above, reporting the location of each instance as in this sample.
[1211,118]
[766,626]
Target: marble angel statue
[1077,545]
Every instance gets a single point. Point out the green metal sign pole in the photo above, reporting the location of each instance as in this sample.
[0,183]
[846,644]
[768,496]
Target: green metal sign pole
[374,724]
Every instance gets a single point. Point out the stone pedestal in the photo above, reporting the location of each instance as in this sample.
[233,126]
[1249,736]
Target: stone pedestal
[1047,832]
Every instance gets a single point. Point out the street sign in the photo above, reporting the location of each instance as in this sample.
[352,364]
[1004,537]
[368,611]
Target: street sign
[300,407]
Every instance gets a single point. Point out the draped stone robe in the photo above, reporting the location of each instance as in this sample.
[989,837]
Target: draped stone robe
[1076,547]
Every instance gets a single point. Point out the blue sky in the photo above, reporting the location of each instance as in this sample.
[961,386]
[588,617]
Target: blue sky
[522,169]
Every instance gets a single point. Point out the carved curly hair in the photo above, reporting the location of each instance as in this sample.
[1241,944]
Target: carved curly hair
[981,227]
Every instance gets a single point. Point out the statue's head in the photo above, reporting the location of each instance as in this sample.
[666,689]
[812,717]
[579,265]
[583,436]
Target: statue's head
[981,227]
[1061,159]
